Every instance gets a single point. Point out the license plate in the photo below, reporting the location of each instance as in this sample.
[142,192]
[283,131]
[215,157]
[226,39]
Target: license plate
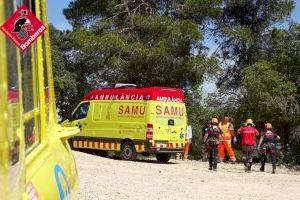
[161,144]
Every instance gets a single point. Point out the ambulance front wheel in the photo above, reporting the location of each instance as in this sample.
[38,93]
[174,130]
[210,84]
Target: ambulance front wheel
[163,157]
[128,151]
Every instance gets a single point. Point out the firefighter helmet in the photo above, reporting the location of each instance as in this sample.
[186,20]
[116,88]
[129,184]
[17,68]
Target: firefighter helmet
[249,121]
[268,126]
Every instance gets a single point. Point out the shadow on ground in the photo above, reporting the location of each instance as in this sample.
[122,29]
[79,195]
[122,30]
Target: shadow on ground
[115,156]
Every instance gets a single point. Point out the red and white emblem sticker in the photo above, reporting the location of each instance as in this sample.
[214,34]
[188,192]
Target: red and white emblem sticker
[23,28]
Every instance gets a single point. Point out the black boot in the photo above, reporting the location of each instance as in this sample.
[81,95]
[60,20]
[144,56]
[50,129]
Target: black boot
[273,158]
[262,169]
[246,165]
[249,167]
[274,170]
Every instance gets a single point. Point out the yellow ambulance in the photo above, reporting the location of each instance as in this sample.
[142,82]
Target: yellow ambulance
[36,161]
[131,121]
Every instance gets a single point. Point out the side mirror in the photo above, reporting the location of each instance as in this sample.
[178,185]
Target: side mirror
[64,133]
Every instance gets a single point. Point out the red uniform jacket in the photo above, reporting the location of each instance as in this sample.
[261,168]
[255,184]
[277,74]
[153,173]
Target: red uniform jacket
[248,134]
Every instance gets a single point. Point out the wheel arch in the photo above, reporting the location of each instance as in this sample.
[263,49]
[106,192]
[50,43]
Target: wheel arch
[127,140]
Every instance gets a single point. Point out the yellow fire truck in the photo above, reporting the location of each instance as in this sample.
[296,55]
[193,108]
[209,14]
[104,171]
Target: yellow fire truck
[131,121]
[35,158]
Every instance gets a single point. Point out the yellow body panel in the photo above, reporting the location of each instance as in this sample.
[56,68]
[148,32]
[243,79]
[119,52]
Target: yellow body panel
[35,158]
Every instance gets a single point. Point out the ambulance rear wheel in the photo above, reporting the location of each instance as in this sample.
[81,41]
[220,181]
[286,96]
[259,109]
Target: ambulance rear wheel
[163,157]
[128,151]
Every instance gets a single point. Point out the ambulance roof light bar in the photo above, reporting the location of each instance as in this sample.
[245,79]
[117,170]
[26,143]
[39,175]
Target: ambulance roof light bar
[125,85]
[118,86]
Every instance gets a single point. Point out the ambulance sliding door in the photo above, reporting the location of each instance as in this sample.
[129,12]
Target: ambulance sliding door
[118,119]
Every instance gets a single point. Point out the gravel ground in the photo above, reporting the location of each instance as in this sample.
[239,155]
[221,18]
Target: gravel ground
[107,178]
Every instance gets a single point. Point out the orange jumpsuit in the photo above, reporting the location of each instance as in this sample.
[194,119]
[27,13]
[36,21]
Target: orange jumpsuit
[189,141]
[225,142]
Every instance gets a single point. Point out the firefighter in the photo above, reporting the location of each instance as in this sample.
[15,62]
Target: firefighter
[225,140]
[248,134]
[211,137]
[267,146]
[189,141]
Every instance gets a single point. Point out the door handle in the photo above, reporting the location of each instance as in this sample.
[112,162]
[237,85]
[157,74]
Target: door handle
[171,122]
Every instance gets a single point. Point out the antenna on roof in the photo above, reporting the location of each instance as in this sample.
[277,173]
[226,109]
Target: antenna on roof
[125,85]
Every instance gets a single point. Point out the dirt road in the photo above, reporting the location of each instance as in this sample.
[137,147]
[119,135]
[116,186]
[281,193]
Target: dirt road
[106,178]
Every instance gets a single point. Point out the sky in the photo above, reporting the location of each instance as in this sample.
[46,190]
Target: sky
[56,17]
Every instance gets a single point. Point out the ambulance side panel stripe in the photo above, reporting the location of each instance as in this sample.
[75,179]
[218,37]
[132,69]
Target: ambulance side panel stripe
[108,143]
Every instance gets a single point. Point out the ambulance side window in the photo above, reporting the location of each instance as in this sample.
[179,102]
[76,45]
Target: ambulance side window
[81,111]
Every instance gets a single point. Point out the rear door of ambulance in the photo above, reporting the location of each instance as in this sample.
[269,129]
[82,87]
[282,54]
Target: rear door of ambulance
[169,122]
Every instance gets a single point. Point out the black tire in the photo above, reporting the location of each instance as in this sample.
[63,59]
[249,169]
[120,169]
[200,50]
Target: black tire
[163,157]
[128,151]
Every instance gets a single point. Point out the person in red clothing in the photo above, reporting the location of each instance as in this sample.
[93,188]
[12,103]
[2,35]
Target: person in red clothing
[248,134]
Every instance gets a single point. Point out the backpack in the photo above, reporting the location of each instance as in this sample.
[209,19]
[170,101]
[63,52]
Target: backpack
[213,136]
